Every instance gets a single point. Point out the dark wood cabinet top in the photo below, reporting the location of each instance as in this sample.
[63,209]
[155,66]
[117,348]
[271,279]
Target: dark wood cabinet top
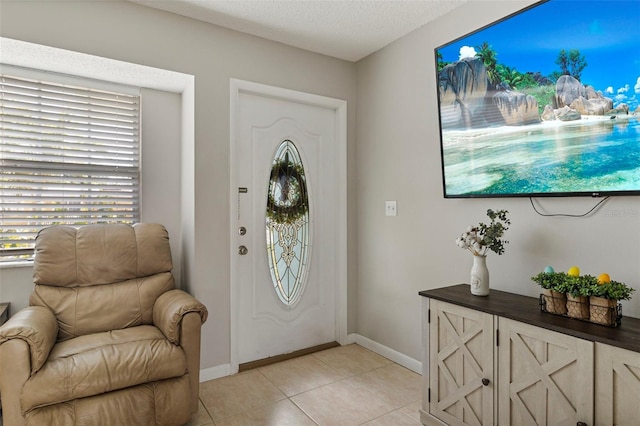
[527,309]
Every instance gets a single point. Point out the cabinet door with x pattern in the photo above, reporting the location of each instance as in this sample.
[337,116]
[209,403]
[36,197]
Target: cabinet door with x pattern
[545,378]
[617,386]
[461,365]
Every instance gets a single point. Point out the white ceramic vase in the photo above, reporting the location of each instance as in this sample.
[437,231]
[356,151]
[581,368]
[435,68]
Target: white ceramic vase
[479,276]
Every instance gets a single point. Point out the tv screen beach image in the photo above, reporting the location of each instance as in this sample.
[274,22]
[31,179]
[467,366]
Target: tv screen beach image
[545,102]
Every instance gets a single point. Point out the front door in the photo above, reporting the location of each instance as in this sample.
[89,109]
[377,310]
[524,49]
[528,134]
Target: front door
[288,220]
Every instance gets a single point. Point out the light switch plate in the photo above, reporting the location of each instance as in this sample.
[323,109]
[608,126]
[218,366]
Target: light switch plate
[391,208]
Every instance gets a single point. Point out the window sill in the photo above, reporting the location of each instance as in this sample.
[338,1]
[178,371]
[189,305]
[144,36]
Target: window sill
[17,264]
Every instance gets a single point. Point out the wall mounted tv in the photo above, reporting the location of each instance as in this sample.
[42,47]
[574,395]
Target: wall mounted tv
[545,102]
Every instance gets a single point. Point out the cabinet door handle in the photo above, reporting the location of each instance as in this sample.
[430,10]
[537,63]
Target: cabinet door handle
[485,382]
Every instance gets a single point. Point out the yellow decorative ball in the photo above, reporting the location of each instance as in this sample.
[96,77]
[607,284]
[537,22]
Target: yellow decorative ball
[574,271]
[603,279]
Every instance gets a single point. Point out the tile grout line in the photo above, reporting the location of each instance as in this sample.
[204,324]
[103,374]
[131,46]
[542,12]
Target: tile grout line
[205,409]
[343,374]
[304,412]
[336,371]
[300,393]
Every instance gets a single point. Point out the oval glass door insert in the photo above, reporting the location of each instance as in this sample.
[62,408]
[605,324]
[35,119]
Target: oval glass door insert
[287,223]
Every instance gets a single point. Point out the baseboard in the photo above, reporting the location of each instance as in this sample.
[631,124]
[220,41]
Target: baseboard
[216,372]
[393,355]
[224,370]
[284,357]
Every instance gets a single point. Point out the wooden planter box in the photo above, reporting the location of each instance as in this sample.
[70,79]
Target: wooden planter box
[593,309]
[578,307]
[603,311]
[555,302]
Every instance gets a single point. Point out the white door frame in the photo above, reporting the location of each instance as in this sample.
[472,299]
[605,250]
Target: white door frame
[340,109]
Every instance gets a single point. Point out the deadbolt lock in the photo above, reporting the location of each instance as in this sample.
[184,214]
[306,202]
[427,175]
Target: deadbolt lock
[242,230]
[242,250]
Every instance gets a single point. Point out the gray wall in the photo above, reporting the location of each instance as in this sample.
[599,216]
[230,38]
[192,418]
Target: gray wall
[133,33]
[398,158]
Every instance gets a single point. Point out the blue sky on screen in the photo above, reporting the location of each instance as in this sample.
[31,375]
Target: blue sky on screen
[606,32]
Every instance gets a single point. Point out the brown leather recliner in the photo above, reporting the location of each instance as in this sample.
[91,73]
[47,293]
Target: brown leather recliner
[107,339]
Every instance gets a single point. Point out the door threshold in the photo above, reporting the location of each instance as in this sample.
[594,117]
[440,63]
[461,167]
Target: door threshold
[284,357]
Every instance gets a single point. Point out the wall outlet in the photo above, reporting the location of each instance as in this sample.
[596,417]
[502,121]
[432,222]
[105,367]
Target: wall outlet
[391,208]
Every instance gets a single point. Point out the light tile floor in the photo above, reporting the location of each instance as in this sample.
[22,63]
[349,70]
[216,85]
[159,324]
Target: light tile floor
[347,385]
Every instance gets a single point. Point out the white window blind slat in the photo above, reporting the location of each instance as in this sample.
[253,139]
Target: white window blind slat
[38,84]
[35,94]
[71,156]
[55,212]
[40,93]
[70,106]
[11,114]
[25,141]
[73,117]
[39,184]
[33,128]
[53,152]
[70,200]
[68,155]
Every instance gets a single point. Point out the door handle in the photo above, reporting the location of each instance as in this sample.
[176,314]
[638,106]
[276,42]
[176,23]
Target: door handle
[242,250]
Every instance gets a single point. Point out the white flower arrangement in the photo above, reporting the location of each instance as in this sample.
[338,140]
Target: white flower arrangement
[482,238]
[472,241]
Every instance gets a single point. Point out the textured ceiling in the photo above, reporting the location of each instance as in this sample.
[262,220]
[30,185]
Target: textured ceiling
[345,29]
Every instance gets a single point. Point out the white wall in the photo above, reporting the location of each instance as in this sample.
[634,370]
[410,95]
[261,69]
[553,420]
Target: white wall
[132,33]
[398,158]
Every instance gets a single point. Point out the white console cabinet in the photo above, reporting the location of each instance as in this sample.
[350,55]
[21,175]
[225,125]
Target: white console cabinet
[617,386]
[498,360]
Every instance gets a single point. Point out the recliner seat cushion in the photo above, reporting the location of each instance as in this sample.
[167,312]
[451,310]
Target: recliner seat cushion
[97,363]
[162,403]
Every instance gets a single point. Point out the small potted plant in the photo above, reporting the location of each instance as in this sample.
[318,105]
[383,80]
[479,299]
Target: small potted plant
[603,301]
[554,288]
[579,288]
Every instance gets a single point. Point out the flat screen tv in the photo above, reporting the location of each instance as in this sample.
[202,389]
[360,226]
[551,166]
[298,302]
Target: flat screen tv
[544,102]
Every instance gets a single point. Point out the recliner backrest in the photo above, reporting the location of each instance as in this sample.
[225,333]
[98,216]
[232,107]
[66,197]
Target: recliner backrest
[101,277]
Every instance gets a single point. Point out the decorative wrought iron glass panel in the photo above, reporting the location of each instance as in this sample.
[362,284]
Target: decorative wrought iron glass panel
[287,224]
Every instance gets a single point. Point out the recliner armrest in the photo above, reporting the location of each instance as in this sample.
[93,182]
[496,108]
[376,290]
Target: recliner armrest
[38,327]
[169,309]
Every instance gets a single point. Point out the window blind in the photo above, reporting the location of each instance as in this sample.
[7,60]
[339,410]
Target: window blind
[68,155]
